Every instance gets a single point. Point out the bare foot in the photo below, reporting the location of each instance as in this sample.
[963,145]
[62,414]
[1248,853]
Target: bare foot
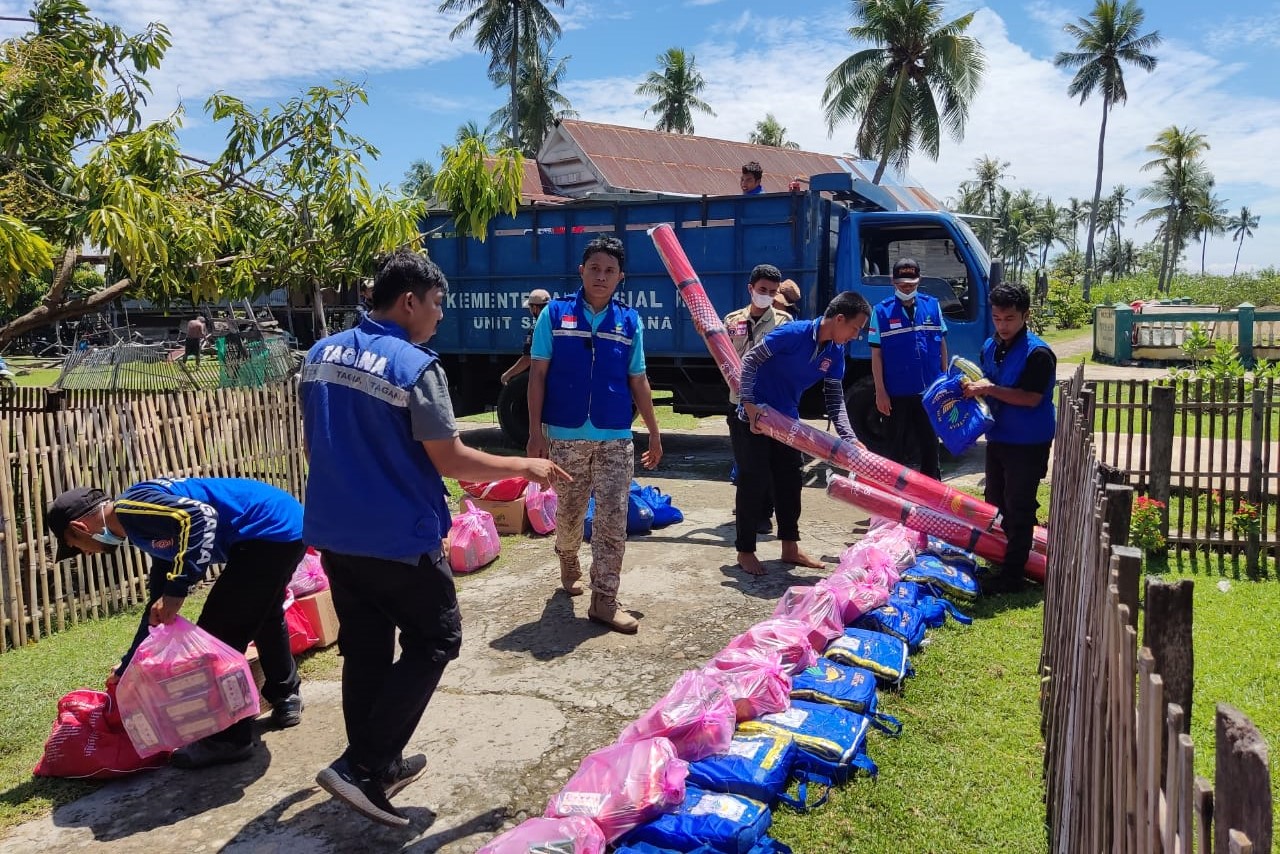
[791,554]
[750,563]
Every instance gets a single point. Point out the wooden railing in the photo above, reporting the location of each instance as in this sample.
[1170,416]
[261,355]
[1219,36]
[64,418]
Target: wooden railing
[1115,717]
[111,440]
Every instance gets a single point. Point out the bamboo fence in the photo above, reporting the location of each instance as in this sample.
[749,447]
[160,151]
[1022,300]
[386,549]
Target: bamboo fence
[112,440]
[1118,761]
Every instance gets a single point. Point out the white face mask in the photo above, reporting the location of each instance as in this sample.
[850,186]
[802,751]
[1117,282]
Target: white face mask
[761,300]
[905,296]
[106,536]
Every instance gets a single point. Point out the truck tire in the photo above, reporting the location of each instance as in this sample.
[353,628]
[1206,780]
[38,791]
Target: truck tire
[513,410]
[868,423]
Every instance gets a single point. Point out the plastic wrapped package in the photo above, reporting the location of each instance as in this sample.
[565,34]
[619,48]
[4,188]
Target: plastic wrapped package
[541,504]
[473,540]
[816,607]
[573,834]
[183,684]
[623,785]
[309,578]
[854,595]
[697,715]
[757,682]
[786,638]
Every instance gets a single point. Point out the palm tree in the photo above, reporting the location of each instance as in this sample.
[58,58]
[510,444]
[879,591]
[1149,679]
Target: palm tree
[539,97]
[894,90]
[1074,215]
[1105,42]
[988,172]
[504,30]
[419,180]
[770,131]
[1242,226]
[1119,200]
[1182,178]
[1209,217]
[676,85]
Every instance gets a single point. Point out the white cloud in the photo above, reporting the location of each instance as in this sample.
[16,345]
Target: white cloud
[1261,30]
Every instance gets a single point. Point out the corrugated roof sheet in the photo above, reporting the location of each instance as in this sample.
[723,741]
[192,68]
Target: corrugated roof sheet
[533,186]
[636,159]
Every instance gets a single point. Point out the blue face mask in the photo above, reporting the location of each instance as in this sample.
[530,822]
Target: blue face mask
[106,536]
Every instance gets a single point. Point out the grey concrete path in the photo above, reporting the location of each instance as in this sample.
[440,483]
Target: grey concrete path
[1072,351]
[537,687]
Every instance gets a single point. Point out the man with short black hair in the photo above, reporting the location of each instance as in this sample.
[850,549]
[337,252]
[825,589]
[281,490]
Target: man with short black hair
[752,178]
[908,352]
[775,373]
[1019,370]
[380,436]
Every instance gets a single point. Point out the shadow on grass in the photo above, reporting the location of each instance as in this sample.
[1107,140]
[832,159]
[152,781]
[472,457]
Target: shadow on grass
[1207,564]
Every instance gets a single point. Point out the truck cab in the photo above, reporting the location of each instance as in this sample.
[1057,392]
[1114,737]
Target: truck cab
[843,233]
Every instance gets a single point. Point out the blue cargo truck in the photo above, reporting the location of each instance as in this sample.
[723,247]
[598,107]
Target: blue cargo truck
[842,233]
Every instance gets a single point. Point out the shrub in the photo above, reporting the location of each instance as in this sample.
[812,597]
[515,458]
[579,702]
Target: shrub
[1069,309]
[1146,525]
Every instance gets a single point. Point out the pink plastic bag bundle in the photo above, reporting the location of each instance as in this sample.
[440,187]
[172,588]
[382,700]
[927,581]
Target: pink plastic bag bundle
[571,835]
[786,639]
[309,578]
[865,556]
[898,540]
[622,786]
[696,715]
[473,540]
[854,595]
[541,506]
[182,685]
[919,540]
[817,608]
[757,683]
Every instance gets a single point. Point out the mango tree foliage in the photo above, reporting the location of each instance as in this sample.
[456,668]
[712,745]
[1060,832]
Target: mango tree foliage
[478,186]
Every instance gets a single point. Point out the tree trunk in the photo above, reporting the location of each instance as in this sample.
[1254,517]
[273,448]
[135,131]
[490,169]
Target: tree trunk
[317,311]
[512,63]
[1204,244]
[1237,263]
[45,314]
[1097,197]
[1169,225]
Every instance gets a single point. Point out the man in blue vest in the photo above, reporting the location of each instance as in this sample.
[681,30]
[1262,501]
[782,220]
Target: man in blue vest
[1019,371]
[588,371]
[380,434]
[775,373]
[908,352]
[184,525]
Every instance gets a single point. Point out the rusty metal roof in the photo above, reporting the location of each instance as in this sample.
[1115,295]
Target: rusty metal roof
[635,159]
[533,186]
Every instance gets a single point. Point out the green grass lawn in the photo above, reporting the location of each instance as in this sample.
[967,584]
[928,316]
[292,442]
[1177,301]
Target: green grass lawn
[1054,335]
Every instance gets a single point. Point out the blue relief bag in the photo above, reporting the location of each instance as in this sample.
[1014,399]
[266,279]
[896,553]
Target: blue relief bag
[664,512]
[923,598]
[756,766]
[949,579]
[832,742]
[884,655]
[764,845]
[852,688]
[730,824]
[959,421]
[901,621]
[952,555]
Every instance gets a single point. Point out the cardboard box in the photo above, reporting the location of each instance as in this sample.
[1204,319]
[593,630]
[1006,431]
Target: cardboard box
[318,608]
[509,517]
[255,665]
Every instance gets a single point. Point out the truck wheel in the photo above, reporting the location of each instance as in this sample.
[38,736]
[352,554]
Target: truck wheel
[872,427]
[513,410]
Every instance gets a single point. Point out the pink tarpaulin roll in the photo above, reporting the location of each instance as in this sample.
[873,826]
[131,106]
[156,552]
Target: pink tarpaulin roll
[705,319]
[873,499]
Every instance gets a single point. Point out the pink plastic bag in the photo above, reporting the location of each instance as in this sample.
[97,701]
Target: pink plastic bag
[757,682]
[541,506]
[182,685]
[309,578]
[696,715]
[898,540]
[473,540]
[622,786]
[785,638]
[817,608]
[571,835]
[864,555]
[854,595]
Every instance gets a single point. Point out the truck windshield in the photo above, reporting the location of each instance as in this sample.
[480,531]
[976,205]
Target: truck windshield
[979,251]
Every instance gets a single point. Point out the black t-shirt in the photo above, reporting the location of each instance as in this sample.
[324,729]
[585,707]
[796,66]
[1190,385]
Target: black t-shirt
[528,343]
[1041,366]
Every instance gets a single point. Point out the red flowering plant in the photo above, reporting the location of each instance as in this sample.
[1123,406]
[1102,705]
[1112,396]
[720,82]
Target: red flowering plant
[1146,524]
[1245,521]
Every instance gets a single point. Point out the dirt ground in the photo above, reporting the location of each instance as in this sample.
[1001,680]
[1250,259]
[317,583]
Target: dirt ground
[537,686]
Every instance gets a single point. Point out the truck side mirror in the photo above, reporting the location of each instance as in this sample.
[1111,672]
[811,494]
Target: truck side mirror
[996,276]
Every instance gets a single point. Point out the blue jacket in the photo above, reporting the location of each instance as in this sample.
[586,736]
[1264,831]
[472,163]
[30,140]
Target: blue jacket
[793,361]
[1018,425]
[911,350]
[587,374]
[372,489]
[189,523]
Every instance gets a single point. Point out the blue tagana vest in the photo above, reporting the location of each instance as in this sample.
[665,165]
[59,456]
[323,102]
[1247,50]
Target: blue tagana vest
[587,375]
[372,489]
[1018,425]
[911,351]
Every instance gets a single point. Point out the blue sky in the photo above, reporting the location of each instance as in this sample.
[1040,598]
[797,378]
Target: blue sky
[1216,74]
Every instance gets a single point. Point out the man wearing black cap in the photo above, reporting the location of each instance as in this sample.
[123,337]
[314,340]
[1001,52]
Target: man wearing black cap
[908,352]
[186,524]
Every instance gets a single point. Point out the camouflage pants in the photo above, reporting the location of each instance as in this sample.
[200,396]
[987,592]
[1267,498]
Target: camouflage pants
[605,468]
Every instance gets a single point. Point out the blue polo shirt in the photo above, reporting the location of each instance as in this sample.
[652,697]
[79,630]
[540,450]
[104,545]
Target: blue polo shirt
[541,350]
[794,360]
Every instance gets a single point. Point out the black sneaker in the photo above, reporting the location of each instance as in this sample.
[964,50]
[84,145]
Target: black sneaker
[361,792]
[206,752]
[287,712]
[402,772]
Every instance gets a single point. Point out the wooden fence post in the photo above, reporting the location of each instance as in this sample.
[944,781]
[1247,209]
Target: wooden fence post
[1244,339]
[1257,434]
[1161,449]
[1119,511]
[1167,633]
[1128,563]
[1242,781]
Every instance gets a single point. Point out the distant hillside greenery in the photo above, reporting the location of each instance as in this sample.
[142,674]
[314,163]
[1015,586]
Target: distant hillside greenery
[1261,289]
